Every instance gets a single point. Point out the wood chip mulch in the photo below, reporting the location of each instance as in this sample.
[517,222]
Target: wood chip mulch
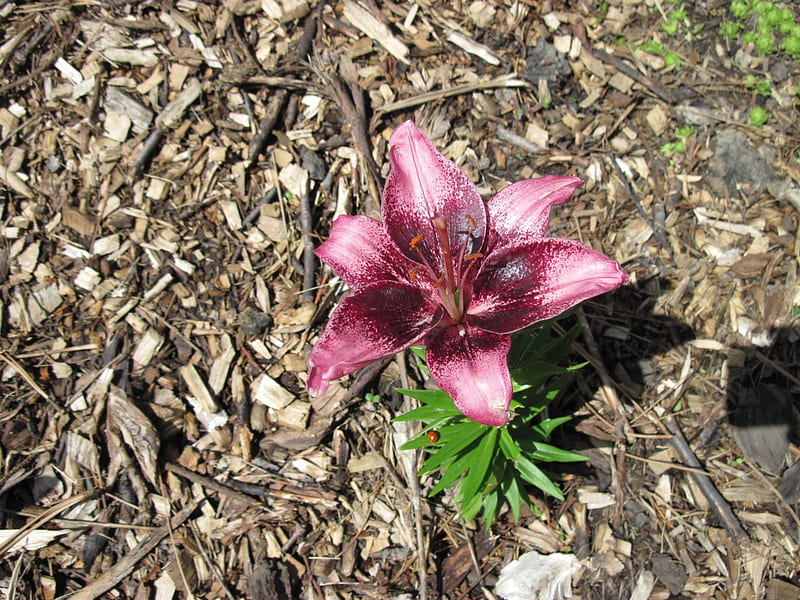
[166,170]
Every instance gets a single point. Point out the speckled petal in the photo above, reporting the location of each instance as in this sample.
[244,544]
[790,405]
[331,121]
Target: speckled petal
[471,365]
[369,324]
[361,252]
[521,285]
[520,212]
[423,184]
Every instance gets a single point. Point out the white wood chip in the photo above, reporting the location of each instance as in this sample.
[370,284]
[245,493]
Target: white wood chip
[269,392]
[47,297]
[117,126]
[364,20]
[595,500]
[67,70]
[703,217]
[159,287]
[172,114]
[184,265]
[294,416]
[218,375]
[473,47]
[205,407]
[370,460]
[295,179]
[35,540]
[106,245]
[136,429]
[87,279]
[28,258]
[231,211]
[149,344]
[15,182]
[122,103]
[260,348]
[209,54]
[141,58]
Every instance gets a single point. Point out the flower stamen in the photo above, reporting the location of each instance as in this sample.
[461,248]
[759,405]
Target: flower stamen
[416,240]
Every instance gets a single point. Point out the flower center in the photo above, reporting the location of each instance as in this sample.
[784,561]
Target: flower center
[449,284]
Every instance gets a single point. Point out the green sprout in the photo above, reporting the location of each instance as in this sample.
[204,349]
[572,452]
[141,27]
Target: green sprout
[765,43]
[776,27]
[672,60]
[757,116]
[741,9]
[652,46]
[762,86]
[678,145]
[730,30]
[791,45]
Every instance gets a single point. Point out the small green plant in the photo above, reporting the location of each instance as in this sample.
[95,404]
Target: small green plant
[492,466]
[762,86]
[730,30]
[775,29]
[678,145]
[757,116]
[675,19]
[670,58]
[741,9]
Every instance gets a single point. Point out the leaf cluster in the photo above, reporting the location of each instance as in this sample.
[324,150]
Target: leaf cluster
[767,25]
[494,466]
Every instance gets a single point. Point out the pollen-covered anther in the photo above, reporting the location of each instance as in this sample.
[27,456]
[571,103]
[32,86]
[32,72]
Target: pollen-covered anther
[412,276]
[474,256]
[472,223]
[416,240]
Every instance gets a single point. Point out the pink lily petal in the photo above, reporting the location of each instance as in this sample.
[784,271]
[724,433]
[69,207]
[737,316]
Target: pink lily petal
[422,185]
[471,365]
[361,252]
[369,324]
[520,212]
[519,286]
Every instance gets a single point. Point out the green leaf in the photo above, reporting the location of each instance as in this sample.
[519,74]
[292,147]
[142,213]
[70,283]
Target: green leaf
[548,453]
[452,473]
[508,446]
[491,505]
[470,508]
[419,351]
[465,434]
[547,426]
[432,397]
[421,439]
[427,413]
[482,457]
[535,476]
[513,492]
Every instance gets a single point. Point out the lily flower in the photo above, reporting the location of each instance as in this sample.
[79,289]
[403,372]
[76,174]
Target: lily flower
[450,271]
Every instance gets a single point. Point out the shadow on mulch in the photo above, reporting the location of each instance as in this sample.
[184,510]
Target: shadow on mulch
[761,400]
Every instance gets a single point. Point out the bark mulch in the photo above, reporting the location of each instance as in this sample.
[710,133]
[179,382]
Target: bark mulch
[166,170]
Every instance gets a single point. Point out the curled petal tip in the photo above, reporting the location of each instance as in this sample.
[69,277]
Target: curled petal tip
[316,383]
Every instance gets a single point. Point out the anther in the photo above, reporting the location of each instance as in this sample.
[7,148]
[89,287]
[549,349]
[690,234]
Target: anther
[416,240]
[471,222]
[473,256]
[412,277]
